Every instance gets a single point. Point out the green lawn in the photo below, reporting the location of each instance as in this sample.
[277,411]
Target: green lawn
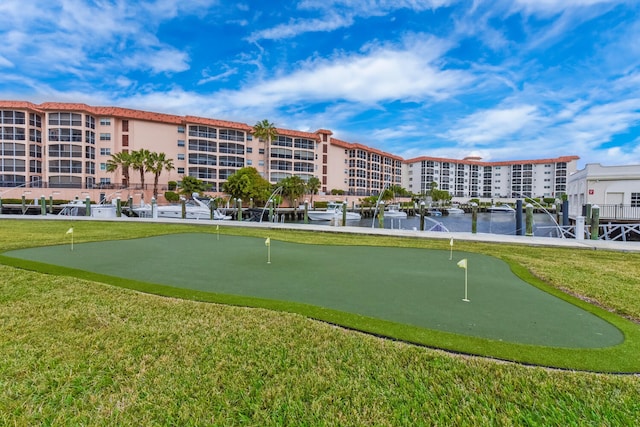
[79,352]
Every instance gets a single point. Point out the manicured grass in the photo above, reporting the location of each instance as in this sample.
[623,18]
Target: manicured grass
[78,352]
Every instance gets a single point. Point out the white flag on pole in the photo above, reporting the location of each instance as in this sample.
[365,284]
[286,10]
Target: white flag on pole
[268,241]
[462,263]
[70,231]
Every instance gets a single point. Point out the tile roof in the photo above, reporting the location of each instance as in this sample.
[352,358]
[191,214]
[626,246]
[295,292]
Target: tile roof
[473,161]
[355,145]
[217,123]
[298,134]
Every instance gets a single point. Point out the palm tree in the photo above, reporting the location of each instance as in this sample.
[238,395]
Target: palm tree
[293,187]
[123,161]
[139,161]
[313,185]
[267,131]
[156,163]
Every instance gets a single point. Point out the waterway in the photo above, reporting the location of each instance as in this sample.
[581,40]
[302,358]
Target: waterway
[494,223]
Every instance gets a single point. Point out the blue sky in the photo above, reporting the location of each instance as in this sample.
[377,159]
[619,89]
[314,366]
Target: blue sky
[504,80]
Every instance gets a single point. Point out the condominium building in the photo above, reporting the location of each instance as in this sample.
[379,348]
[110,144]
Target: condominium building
[473,178]
[64,148]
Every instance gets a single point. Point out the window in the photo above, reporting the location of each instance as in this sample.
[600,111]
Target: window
[65,150]
[103,166]
[105,137]
[12,117]
[202,145]
[90,122]
[635,200]
[105,181]
[89,152]
[180,156]
[90,167]
[65,119]
[35,120]
[65,166]
[181,143]
[231,135]
[260,150]
[249,150]
[105,121]
[125,140]
[181,170]
[105,151]
[249,162]
[125,126]
[202,132]
[66,135]
[180,129]
[89,137]
[12,134]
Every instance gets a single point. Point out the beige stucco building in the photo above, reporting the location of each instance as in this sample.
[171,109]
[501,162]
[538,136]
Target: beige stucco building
[62,149]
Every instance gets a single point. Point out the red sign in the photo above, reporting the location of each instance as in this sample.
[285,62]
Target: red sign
[591,192]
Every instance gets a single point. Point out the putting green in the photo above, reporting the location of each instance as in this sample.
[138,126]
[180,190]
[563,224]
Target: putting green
[417,287]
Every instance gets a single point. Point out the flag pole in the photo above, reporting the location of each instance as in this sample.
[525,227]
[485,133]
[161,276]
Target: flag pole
[463,264]
[451,249]
[217,231]
[268,245]
[465,286]
[70,231]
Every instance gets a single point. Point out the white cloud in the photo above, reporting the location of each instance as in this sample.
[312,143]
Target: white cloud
[384,73]
[85,39]
[221,76]
[300,26]
[491,126]
[5,63]
[336,14]
[550,7]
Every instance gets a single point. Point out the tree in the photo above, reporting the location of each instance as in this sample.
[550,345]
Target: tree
[191,184]
[123,161]
[293,187]
[156,163]
[139,161]
[247,184]
[267,131]
[313,185]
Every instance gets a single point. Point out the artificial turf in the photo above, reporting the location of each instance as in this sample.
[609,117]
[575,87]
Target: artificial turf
[418,287]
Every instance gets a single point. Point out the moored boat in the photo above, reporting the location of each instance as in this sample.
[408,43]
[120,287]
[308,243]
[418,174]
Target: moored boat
[504,208]
[333,211]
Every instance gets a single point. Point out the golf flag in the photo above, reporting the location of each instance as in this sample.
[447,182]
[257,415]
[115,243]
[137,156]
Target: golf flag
[463,264]
[267,243]
[451,242]
[70,231]
[217,228]
[451,249]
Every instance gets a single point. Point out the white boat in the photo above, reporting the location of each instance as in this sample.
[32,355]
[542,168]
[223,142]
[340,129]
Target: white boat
[393,211]
[194,209]
[434,212]
[455,211]
[504,208]
[79,208]
[334,211]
